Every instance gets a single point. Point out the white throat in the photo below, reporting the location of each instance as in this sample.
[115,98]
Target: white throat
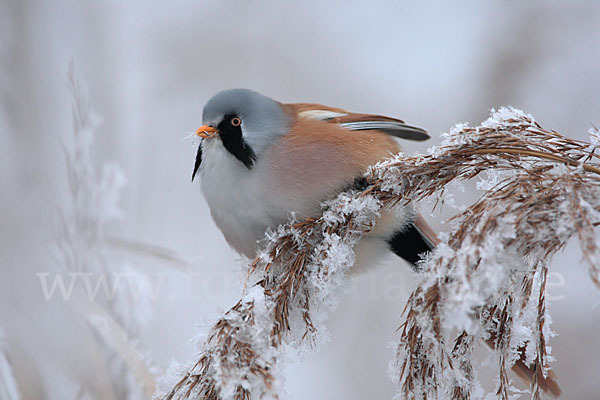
[235,196]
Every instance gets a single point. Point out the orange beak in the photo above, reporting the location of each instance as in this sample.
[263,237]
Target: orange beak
[206,131]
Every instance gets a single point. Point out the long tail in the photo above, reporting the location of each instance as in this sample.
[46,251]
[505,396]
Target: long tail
[413,241]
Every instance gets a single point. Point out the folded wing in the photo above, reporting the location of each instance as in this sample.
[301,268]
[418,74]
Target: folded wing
[359,122]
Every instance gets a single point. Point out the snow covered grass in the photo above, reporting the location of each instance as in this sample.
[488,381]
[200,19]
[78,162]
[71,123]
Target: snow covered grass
[485,282]
[114,318]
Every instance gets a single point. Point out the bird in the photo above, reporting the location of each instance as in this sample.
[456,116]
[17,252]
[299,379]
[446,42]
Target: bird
[262,162]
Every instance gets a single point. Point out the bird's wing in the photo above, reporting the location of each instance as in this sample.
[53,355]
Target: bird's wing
[359,122]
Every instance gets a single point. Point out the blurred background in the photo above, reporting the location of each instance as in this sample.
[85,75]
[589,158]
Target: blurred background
[130,207]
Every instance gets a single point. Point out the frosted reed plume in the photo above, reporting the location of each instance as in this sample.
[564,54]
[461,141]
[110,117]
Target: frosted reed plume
[113,318]
[486,280]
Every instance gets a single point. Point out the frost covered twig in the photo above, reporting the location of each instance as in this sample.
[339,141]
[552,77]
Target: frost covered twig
[487,278]
[485,281]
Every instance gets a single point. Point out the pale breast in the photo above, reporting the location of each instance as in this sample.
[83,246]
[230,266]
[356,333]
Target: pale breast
[238,198]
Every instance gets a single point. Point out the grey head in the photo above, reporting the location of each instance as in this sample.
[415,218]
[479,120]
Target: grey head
[246,123]
[262,119]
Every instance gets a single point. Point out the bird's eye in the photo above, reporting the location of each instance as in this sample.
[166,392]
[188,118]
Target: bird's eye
[235,121]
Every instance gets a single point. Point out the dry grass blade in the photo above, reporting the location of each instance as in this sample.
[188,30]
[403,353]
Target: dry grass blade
[9,388]
[485,279]
[115,337]
[148,250]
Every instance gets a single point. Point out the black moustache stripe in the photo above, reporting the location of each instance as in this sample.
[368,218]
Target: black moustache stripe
[198,161]
[234,142]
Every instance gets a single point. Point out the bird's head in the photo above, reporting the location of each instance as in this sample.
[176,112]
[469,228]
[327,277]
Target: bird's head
[244,121]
